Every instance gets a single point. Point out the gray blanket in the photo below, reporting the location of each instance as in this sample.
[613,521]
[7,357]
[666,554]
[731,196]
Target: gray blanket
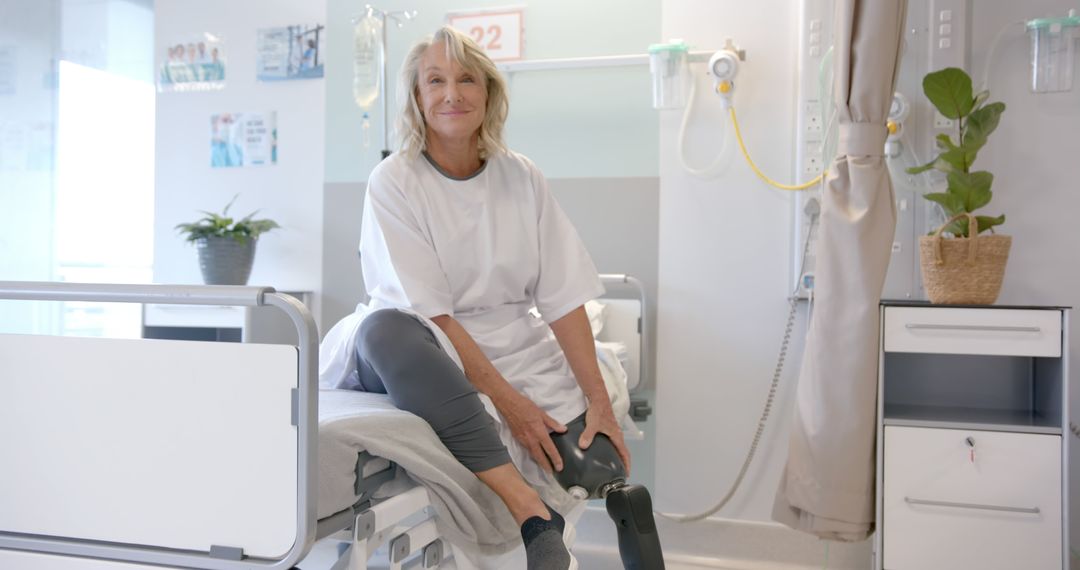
[468,513]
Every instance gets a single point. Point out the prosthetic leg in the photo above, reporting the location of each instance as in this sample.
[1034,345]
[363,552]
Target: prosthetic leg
[599,473]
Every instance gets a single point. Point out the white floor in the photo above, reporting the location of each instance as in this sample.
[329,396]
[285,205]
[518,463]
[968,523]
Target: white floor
[720,543]
[712,544]
[589,559]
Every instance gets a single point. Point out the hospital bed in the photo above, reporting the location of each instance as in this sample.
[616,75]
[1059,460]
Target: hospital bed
[129,452]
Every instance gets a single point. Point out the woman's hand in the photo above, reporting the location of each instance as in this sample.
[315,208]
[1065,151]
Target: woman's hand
[600,419]
[532,427]
[575,337]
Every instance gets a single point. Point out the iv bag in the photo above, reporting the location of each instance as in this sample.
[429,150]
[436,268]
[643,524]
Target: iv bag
[367,58]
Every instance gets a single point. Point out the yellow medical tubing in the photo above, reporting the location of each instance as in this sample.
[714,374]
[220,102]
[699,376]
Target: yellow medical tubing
[750,161]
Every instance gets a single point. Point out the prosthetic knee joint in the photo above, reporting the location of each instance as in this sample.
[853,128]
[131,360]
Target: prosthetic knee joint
[599,473]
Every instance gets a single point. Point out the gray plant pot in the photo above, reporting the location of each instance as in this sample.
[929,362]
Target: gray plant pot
[225,261]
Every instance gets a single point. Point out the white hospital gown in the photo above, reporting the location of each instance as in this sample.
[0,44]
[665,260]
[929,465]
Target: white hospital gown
[484,250]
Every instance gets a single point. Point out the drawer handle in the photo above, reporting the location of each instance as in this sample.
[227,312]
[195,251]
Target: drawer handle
[919,326]
[1031,511]
[190,308]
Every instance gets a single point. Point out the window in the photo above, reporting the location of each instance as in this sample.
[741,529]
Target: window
[76,156]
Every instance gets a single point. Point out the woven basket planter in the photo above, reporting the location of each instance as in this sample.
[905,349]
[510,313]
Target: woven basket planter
[225,261]
[963,271]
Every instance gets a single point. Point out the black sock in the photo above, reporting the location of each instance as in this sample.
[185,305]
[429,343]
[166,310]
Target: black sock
[544,546]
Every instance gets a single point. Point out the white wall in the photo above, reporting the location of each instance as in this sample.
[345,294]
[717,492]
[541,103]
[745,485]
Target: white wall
[585,123]
[1033,156]
[289,192]
[724,254]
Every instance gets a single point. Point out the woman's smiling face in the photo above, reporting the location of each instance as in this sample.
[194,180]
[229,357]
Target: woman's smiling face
[452,98]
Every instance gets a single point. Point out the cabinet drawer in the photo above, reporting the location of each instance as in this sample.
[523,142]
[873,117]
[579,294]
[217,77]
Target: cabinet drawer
[943,510]
[945,330]
[155,315]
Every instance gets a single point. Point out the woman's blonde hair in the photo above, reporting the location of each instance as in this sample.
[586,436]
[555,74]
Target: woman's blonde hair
[461,49]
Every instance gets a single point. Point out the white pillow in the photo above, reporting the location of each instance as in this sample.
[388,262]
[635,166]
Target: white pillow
[595,311]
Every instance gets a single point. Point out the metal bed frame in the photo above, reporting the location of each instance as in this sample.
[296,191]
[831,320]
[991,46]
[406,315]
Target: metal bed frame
[372,525]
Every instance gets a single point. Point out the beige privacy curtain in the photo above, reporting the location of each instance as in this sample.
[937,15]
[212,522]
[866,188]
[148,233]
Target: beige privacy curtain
[828,485]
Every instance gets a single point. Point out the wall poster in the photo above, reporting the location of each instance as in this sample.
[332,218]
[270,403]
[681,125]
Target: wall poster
[243,139]
[194,63]
[292,52]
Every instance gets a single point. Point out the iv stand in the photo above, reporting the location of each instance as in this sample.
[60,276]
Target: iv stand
[399,17]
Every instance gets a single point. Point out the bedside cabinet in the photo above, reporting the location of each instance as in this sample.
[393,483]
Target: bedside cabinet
[971,459]
[265,325]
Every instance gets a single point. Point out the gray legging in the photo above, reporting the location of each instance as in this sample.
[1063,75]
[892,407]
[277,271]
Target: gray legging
[399,356]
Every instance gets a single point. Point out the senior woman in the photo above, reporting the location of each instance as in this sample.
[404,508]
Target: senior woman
[460,239]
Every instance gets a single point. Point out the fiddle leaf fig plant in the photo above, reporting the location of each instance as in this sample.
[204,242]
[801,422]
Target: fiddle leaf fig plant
[950,91]
[221,225]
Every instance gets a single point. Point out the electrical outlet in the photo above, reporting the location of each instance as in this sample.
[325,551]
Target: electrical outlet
[814,164]
[948,37]
[813,123]
[942,122]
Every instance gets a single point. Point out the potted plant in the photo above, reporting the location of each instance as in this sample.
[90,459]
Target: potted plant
[226,246]
[959,266]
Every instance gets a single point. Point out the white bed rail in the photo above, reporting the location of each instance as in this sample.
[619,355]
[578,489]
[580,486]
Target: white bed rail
[128,293]
[304,412]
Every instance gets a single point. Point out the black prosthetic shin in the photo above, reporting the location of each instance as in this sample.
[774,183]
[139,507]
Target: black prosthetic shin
[599,473]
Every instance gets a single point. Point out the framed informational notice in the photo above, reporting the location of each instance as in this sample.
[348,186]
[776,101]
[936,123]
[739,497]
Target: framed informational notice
[243,139]
[291,52]
[194,63]
[499,32]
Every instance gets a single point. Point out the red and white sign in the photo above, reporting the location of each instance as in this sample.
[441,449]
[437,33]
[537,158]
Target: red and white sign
[501,33]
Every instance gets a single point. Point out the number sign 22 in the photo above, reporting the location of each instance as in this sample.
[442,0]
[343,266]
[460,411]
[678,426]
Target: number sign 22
[491,43]
[500,34]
